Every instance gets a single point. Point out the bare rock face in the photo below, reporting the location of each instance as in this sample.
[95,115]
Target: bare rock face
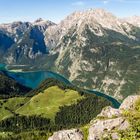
[74,134]
[101,128]
[106,127]
[109,112]
[80,41]
[96,18]
[129,102]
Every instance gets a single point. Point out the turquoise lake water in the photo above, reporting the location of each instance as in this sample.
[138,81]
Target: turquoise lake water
[34,78]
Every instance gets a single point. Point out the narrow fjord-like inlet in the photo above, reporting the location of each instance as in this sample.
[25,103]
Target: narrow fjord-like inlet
[33,79]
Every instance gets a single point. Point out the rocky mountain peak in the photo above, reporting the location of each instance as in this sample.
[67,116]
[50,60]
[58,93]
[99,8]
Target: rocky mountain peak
[19,26]
[91,12]
[97,21]
[14,27]
[94,17]
[25,39]
[39,20]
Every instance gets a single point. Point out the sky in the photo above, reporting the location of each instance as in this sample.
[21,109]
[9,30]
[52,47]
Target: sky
[56,10]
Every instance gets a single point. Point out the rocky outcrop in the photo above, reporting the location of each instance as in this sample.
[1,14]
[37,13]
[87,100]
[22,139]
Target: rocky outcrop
[129,102]
[100,128]
[111,120]
[109,112]
[74,134]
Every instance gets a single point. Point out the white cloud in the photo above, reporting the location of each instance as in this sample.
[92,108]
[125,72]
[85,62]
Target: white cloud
[106,1]
[78,3]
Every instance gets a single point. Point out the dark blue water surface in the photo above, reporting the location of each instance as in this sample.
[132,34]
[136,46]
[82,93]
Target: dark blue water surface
[33,79]
[2,67]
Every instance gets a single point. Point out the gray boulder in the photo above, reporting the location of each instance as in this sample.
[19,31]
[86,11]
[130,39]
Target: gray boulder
[74,134]
[109,112]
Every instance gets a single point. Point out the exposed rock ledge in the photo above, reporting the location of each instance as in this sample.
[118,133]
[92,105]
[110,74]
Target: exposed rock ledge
[101,128]
[129,102]
[109,112]
[111,119]
[74,134]
[104,125]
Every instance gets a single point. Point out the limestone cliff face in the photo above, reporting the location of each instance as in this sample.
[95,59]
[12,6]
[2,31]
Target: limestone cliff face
[96,50]
[105,125]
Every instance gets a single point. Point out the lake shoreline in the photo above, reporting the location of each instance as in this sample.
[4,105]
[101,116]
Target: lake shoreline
[33,79]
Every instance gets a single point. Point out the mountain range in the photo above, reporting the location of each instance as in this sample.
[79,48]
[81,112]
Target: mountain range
[23,42]
[94,49]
